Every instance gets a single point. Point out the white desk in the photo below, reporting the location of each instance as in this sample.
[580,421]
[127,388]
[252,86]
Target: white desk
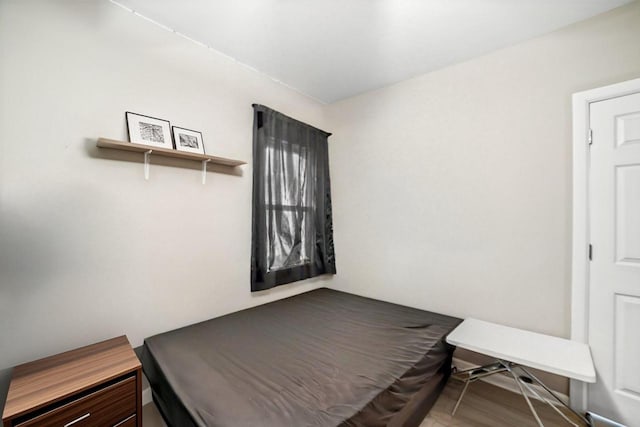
[513,348]
[568,358]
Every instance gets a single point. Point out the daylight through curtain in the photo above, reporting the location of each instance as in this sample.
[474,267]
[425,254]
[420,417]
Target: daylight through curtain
[292,237]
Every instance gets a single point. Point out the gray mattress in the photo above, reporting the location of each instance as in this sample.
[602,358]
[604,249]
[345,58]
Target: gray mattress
[322,358]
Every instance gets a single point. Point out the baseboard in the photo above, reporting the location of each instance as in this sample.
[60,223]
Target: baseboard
[600,421]
[146,396]
[505,382]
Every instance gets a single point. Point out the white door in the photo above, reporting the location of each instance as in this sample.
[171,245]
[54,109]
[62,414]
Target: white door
[614,227]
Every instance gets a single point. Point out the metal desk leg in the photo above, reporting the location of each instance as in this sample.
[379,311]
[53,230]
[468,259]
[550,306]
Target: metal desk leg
[464,390]
[548,390]
[482,371]
[550,403]
[486,368]
[524,394]
[502,366]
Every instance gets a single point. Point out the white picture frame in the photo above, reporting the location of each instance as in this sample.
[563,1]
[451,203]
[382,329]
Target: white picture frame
[147,130]
[188,140]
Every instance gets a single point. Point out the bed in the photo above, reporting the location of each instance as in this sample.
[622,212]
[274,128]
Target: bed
[321,358]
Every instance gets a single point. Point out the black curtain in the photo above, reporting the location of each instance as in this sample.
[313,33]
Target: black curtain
[292,230]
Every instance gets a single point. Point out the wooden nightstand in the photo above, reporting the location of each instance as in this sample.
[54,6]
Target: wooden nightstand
[97,385]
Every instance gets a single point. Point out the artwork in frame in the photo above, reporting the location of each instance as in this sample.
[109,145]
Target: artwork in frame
[188,140]
[149,131]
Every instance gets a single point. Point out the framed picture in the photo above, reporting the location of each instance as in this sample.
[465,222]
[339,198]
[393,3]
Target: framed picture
[149,131]
[188,140]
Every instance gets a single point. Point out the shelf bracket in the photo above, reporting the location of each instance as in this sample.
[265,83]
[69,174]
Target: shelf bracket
[146,164]
[204,171]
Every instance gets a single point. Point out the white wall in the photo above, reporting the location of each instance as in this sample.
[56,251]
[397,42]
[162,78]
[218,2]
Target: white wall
[88,248]
[452,190]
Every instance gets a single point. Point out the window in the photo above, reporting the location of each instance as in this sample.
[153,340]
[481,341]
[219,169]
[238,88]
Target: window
[288,215]
[292,237]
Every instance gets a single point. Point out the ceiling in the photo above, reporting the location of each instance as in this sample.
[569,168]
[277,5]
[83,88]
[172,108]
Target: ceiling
[334,49]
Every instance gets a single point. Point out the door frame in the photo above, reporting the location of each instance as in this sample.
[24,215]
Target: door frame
[580,239]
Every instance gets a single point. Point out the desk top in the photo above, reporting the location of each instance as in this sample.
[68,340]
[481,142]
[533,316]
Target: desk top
[560,356]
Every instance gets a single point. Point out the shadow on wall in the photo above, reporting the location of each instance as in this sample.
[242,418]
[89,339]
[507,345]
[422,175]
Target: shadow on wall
[47,234]
[26,255]
[40,240]
[325,279]
[125,156]
[5,378]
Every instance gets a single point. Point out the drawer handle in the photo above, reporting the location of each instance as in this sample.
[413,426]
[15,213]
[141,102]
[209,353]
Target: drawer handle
[77,420]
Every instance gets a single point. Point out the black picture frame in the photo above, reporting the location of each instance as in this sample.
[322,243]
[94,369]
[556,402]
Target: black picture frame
[183,138]
[151,131]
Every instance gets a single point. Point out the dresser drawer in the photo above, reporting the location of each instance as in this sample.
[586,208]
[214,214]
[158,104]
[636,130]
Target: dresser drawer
[105,407]
[132,421]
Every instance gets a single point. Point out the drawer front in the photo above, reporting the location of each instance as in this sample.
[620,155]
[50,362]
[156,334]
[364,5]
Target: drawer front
[106,407]
[129,422]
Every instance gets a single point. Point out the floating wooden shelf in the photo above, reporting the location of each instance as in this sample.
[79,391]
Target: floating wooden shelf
[139,148]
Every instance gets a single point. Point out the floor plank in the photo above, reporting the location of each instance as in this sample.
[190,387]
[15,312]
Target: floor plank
[486,405]
[151,417]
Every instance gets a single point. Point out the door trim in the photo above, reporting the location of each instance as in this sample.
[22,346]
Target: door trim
[580,239]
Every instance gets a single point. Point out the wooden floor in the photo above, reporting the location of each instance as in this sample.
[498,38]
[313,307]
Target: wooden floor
[484,406]
[151,417]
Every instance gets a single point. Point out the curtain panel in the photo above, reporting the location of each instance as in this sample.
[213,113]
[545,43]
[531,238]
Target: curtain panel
[292,229]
